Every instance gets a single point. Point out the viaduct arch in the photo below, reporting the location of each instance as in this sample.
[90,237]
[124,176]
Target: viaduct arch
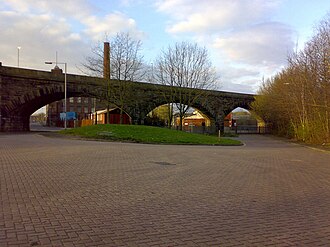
[23,91]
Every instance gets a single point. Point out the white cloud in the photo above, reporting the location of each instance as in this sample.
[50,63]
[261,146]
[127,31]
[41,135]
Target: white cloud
[214,15]
[72,8]
[75,12]
[239,79]
[39,37]
[97,27]
[238,33]
[235,72]
[246,87]
[130,3]
[265,44]
[43,27]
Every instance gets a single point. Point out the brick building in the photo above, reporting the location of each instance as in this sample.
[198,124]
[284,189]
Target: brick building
[114,117]
[82,106]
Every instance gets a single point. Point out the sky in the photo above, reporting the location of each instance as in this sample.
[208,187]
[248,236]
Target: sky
[247,40]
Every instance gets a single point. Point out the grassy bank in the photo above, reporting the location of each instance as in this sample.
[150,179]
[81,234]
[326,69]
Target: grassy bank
[146,134]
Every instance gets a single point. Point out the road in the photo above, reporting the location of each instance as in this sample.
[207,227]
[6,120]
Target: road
[65,192]
[37,127]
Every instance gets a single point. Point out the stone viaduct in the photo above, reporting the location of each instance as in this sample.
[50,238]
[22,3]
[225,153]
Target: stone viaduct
[23,91]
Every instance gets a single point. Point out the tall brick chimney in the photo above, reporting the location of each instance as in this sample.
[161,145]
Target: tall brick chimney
[106,60]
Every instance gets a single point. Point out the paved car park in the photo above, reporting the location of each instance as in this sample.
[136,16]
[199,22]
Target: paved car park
[65,192]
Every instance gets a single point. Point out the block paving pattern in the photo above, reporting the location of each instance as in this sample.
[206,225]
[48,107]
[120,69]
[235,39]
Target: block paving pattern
[64,192]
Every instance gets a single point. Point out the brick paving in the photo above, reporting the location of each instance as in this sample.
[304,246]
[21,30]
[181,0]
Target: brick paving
[62,192]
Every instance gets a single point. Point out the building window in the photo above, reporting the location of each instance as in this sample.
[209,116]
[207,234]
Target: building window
[71,108]
[79,100]
[79,109]
[86,109]
[71,100]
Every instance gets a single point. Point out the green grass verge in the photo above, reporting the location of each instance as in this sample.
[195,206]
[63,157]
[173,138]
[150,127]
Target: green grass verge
[146,134]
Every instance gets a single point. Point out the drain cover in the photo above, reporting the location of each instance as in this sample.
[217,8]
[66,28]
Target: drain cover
[164,163]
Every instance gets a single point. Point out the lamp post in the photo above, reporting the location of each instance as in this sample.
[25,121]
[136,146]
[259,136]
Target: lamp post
[65,90]
[18,48]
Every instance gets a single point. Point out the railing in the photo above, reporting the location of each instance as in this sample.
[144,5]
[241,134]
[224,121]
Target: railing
[250,130]
[247,129]
[200,129]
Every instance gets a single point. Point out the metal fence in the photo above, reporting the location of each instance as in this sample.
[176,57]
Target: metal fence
[198,129]
[250,130]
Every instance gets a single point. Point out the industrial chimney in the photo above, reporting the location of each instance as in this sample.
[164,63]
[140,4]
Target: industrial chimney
[106,60]
[106,75]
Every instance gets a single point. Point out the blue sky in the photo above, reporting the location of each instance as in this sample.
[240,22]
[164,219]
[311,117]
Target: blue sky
[246,39]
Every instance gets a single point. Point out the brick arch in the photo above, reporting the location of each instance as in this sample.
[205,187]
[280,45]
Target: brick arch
[196,106]
[23,91]
[229,110]
[21,108]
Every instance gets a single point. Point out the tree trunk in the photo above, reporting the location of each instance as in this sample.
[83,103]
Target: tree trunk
[181,117]
[170,115]
[121,115]
[95,111]
[107,121]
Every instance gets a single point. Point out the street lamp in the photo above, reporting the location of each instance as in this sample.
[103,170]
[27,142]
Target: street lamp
[65,69]
[18,48]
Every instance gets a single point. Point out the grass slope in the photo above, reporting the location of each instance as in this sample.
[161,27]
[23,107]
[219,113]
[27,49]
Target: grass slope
[146,134]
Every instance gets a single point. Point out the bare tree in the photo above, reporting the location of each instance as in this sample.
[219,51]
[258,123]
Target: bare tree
[183,66]
[126,64]
[125,58]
